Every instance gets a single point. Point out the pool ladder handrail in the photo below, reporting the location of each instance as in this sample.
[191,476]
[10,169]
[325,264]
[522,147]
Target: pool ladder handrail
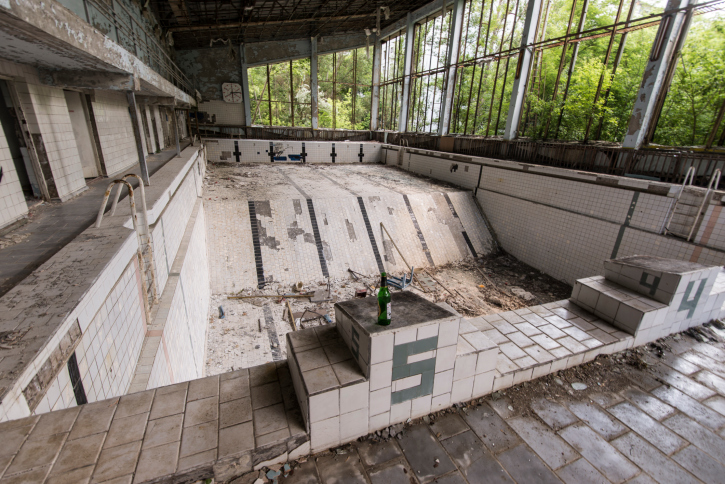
[689,178]
[134,219]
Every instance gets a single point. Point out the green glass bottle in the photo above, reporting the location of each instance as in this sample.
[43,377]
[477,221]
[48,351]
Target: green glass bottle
[384,301]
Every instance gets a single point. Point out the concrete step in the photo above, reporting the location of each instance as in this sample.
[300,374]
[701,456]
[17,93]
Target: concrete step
[651,297]
[658,278]
[616,304]
[331,389]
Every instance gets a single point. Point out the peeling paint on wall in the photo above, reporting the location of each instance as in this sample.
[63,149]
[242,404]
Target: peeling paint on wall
[209,69]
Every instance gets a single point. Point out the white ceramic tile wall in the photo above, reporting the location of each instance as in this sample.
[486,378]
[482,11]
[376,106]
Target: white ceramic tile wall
[115,131]
[226,113]
[12,200]
[47,114]
[317,151]
[86,290]
[465,175]
[109,347]
[289,253]
[565,245]
[59,395]
[174,218]
[712,228]
[567,228]
[191,325]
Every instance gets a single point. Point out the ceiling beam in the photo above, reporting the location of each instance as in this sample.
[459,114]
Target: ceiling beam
[235,25]
[416,15]
[77,79]
[261,53]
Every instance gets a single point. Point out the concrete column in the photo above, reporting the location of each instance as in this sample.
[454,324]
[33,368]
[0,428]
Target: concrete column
[408,68]
[176,131]
[245,89]
[454,44]
[375,104]
[138,135]
[522,70]
[313,83]
[661,56]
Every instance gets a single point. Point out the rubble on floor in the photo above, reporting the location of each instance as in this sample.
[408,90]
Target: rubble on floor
[253,330]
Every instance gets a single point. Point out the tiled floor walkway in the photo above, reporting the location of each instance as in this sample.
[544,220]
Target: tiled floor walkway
[60,223]
[666,425]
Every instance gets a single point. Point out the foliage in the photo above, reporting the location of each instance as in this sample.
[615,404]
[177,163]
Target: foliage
[697,89]
[576,91]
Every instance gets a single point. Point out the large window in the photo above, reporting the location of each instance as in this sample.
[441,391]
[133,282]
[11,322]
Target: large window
[696,98]
[280,94]
[486,66]
[588,60]
[588,67]
[392,62]
[430,51]
[345,89]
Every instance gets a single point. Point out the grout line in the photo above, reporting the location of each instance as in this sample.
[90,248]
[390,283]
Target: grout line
[371,235]
[420,232]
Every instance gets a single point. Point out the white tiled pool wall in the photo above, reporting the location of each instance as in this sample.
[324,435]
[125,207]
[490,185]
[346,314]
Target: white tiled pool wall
[257,151]
[109,347]
[565,227]
[343,235]
[180,356]
[111,314]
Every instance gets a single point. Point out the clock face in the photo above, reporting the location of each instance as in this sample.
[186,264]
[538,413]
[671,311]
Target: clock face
[232,92]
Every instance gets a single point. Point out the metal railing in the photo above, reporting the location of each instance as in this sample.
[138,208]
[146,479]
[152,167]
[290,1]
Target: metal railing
[120,25]
[666,165]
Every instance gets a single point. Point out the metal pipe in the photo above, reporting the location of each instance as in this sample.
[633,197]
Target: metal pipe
[134,221]
[713,131]
[561,66]
[147,231]
[714,181]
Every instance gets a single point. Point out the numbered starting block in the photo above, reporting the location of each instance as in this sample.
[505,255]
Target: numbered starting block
[378,376]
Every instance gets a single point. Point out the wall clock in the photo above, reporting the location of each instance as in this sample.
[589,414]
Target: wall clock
[232,92]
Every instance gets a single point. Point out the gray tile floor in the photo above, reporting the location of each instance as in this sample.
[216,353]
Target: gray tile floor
[59,223]
[665,424]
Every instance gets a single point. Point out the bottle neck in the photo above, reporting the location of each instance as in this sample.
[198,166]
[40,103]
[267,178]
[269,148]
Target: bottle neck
[384,281]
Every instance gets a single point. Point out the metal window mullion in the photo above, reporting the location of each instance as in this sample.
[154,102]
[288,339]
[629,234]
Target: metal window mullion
[456,78]
[498,64]
[354,75]
[561,66]
[291,95]
[427,78]
[484,67]
[269,96]
[617,60]
[601,77]
[473,74]
[435,82]
[506,71]
[572,64]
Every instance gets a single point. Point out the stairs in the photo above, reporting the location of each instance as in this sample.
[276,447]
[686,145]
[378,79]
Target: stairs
[651,297]
[687,211]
